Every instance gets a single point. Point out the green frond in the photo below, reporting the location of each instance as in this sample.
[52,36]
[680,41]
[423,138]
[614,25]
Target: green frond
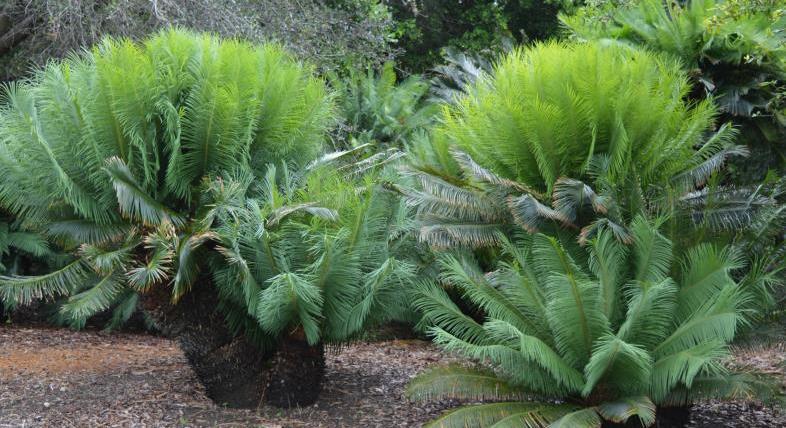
[537,352]
[29,242]
[575,316]
[716,319]
[475,286]
[105,260]
[584,418]
[97,298]
[506,414]
[23,290]
[617,364]
[684,366]
[133,201]
[291,297]
[460,383]
[650,314]
[186,267]
[437,307]
[607,258]
[707,270]
[84,231]
[124,310]
[652,252]
[517,368]
[622,410]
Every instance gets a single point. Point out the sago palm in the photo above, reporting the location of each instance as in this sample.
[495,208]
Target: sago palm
[576,336]
[313,260]
[381,112]
[113,151]
[110,149]
[560,109]
[734,51]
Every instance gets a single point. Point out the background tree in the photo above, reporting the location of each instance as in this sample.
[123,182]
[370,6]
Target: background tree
[33,31]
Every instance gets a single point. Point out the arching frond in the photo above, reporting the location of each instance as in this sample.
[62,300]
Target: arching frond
[460,383]
[23,290]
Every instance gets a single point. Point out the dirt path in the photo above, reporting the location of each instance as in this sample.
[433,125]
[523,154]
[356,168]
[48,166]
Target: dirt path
[60,378]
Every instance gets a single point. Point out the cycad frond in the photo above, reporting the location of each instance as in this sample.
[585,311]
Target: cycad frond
[289,296]
[23,290]
[504,415]
[98,297]
[133,201]
[622,410]
[461,383]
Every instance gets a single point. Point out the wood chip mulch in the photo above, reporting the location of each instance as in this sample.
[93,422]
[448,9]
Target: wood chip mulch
[60,378]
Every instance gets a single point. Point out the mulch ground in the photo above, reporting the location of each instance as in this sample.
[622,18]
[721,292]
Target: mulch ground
[60,378]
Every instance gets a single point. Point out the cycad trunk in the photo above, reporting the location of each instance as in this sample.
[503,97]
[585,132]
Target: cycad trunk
[230,368]
[297,372]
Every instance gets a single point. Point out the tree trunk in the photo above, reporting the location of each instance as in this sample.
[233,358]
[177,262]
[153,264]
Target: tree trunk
[297,372]
[231,369]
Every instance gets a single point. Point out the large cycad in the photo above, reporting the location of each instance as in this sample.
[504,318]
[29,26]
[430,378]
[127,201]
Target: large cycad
[557,109]
[312,261]
[114,153]
[574,134]
[577,337]
[110,150]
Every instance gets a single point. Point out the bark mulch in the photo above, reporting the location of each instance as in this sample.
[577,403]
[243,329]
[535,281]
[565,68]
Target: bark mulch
[59,378]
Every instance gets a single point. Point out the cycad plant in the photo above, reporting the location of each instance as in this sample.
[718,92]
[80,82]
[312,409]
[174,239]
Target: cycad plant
[380,111]
[112,153]
[734,51]
[570,134]
[311,262]
[23,252]
[108,153]
[578,336]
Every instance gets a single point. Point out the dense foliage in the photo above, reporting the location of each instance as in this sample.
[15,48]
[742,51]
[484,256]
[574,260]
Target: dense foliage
[613,331]
[318,252]
[563,214]
[380,112]
[538,143]
[131,136]
[734,51]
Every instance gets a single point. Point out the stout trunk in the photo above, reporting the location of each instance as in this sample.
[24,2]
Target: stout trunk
[297,372]
[230,368]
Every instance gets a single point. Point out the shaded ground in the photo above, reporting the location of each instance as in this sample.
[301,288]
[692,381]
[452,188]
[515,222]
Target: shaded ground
[60,378]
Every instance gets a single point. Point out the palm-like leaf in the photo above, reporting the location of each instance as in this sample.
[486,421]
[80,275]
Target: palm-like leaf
[660,340]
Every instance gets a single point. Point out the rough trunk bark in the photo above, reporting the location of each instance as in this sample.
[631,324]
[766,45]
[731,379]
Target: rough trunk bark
[297,372]
[231,369]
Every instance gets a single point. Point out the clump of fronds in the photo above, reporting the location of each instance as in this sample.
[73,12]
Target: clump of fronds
[317,251]
[578,336]
[112,153]
[734,52]
[380,112]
